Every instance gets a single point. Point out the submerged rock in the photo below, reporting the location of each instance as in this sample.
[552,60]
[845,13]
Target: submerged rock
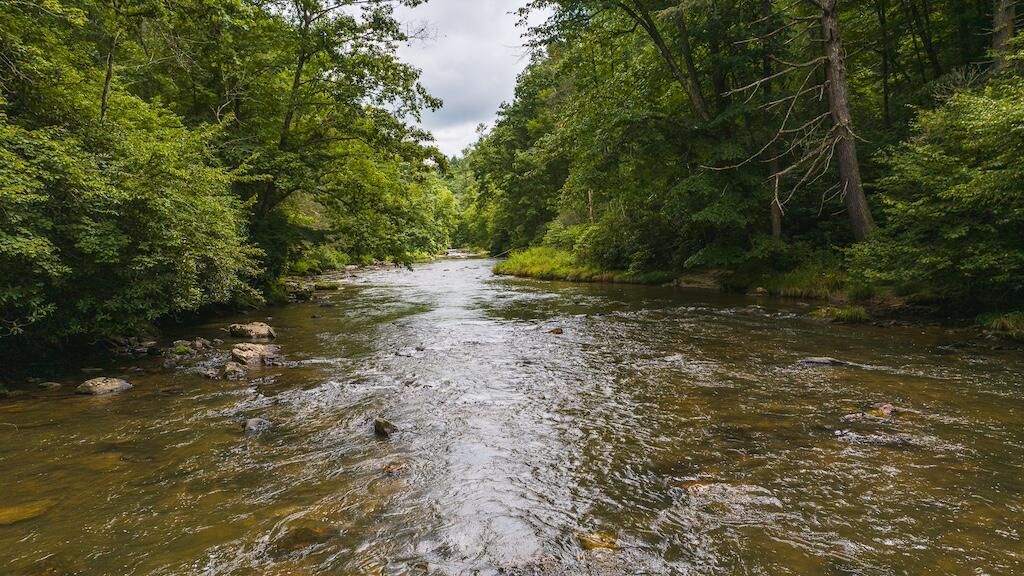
[253,330]
[822,361]
[383,428]
[256,354]
[892,440]
[597,540]
[327,286]
[300,538]
[22,512]
[50,385]
[101,386]
[396,468]
[256,426]
[234,371]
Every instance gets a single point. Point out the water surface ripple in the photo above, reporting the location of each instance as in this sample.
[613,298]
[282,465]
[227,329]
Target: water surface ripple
[676,423]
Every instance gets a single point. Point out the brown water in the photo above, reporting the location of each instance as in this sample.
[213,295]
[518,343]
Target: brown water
[673,422]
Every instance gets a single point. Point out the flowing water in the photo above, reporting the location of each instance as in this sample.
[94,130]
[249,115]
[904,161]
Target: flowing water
[675,426]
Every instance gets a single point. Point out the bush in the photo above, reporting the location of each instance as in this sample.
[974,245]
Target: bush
[819,278]
[844,314]
[954,201]
[1011,324]
[548,263]
[101,236]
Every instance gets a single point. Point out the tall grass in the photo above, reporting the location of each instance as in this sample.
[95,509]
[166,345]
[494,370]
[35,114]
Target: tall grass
[548,263]
[1011,324]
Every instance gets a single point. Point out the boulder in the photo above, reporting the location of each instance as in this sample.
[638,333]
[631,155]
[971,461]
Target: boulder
[253,330]
[298,291]
[556,331]
[256,426]
[101,386]
[383,428]
[234,371]
[596,541]
[256,354]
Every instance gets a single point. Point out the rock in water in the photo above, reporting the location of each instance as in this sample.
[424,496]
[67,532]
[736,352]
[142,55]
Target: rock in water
[821,361]
[595,541]
[254,330]
[382,428]
[101,386]
[256,354]
[556,331]
[234,371]
[14,514]
[255,426]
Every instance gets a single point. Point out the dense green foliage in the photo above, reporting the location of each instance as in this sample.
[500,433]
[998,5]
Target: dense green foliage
[711,134]
[159,157]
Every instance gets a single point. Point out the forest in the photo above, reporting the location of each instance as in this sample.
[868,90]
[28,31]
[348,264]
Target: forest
[870,150]
[161,158]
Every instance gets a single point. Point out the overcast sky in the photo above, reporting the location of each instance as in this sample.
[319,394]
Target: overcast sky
[471,60]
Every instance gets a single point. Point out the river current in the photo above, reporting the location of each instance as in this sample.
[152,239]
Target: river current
[663,431]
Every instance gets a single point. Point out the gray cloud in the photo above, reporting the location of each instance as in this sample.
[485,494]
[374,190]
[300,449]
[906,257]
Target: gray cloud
[470,60]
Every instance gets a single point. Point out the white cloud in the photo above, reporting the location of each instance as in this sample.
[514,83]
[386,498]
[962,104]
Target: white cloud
[471,60]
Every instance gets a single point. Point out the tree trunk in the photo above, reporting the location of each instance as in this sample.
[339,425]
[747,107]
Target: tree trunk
[881,7]
[690,82]
[924,33]
[846,146]
[776,213]
[1003,21]
[105,95]
[293,99]
[691,68]
[773,165]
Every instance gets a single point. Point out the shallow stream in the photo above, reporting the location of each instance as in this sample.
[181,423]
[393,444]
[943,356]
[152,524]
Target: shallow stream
[675,427]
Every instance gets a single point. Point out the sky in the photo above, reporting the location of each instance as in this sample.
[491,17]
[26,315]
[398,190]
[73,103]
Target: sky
[471,58]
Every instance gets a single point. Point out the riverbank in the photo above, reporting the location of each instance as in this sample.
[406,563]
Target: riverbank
[823,285]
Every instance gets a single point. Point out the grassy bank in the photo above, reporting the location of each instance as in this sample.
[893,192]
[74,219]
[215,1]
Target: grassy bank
[547,263]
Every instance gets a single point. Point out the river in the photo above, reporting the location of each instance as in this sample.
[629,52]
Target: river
[674,427]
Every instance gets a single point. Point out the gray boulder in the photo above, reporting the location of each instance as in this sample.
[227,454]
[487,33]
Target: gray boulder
[255,426]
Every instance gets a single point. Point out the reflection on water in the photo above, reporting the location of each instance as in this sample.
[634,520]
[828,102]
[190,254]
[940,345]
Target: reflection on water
[673,425]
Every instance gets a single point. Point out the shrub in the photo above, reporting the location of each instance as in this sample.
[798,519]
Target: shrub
[1011,324]
[99,236]
[954,201]
[844,314]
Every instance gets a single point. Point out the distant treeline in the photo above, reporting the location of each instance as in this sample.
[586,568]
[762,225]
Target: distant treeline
[872,146]
[159,157]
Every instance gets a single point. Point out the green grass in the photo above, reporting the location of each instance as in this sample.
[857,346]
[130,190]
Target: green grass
[843,314]
[1010,324]
[547,263]
[812,280]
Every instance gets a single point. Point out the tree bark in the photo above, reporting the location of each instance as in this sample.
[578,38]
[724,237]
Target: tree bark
[1003,22]
[850,182]
[105,95]
[773,165]
[881,8]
